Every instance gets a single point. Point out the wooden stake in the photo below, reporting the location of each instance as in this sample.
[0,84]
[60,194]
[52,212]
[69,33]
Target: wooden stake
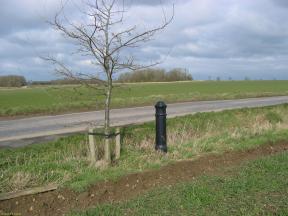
[11,195]
[118,144]
[92,144]
[107,153]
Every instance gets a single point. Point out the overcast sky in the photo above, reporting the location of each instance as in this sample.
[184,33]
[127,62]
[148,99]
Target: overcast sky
[225,38]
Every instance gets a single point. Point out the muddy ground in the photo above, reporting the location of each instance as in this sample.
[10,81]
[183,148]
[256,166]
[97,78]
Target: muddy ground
[62,201]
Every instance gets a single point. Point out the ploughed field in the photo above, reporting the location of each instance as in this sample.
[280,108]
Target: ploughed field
[65,99]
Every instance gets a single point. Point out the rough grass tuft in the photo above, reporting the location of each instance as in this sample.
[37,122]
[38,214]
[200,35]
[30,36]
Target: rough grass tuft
[273,117]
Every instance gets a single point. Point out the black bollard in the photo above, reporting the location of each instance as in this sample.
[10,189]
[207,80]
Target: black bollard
[161,137]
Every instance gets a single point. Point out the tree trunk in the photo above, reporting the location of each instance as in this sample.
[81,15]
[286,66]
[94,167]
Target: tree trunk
[107,151]
[92,147]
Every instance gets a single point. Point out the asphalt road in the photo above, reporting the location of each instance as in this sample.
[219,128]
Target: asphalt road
[16,133]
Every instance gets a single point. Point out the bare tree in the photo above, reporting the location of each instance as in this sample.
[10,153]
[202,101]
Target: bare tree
[103,37]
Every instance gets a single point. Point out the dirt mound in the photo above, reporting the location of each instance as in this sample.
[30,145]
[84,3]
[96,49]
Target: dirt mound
[62,201]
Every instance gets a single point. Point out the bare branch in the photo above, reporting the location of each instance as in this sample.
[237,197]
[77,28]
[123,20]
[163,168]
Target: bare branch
[81,78]
[144,36]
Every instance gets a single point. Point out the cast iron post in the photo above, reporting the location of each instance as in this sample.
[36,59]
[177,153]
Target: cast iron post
[161,137]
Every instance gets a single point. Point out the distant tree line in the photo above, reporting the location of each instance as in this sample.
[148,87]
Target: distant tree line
[155,75]
[144,75]
[65,82]
[12,81]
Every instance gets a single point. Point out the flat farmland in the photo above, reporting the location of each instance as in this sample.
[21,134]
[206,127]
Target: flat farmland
[64,99]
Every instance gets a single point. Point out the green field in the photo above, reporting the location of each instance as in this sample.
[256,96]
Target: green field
[53,99]
[257,188]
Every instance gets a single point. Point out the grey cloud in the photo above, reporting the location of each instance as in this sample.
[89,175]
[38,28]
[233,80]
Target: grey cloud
[225,38]
[145,2]
[261,35]
[282,3]
[154,2]
[15,17]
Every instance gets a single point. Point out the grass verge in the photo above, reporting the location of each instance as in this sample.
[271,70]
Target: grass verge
[65,161]
[256,188]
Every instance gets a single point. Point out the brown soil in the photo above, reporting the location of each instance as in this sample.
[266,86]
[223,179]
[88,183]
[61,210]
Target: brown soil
[62,201]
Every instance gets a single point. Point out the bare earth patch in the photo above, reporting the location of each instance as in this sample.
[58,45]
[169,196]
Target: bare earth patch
[63,201]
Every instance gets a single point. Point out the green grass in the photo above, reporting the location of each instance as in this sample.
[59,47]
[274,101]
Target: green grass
[257,188]
[41,100]
[65,161]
